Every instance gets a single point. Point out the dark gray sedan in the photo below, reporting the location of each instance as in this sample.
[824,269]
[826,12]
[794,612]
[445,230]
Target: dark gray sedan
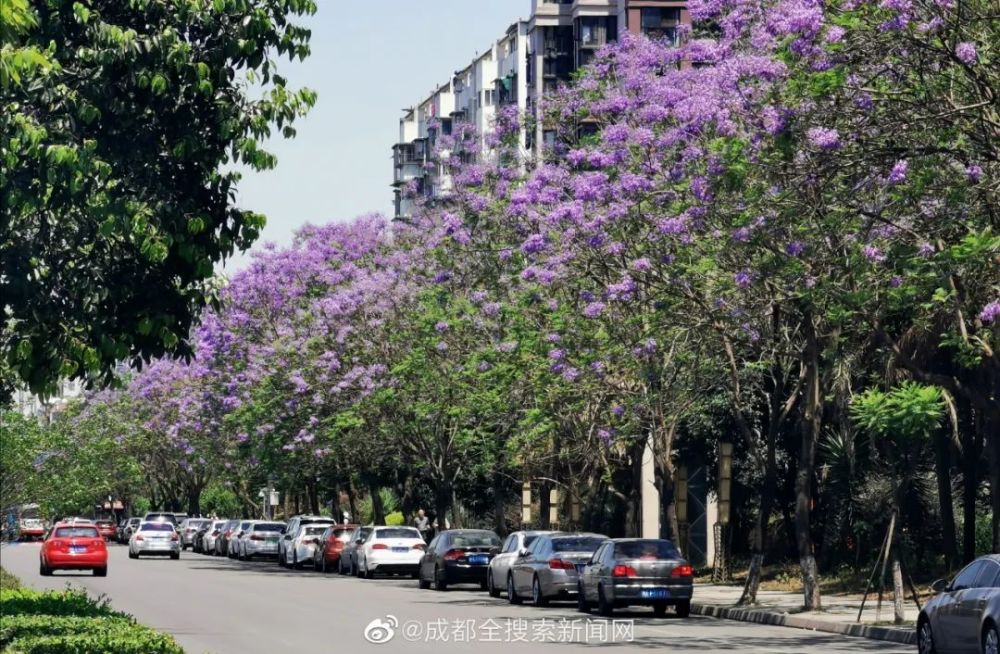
[636,571]
[548,568]
[962,617]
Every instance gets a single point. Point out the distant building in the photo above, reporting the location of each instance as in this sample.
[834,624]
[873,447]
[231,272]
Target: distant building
[45,410]
[529,60]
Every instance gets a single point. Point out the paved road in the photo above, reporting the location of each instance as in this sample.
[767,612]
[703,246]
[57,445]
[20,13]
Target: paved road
[223,606]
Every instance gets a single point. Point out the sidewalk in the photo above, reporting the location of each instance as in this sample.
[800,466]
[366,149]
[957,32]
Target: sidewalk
[839,614]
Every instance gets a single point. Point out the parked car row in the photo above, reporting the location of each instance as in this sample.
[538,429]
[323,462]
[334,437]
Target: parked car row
[538,567]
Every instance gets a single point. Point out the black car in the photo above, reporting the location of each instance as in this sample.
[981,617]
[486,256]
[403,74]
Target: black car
[964,614]
[458,556]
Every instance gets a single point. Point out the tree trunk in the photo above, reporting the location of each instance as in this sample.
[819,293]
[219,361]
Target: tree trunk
[898,612]
[811,427]
[945,500]
[544,504]
[194,501]
[970,477]
[499,505]
[378,509]
[993,445]
[312,489]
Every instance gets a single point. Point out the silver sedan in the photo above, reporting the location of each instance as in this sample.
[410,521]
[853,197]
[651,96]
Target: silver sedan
[636,571]
[500,564]
[155,538]
[964,615]
[548,568]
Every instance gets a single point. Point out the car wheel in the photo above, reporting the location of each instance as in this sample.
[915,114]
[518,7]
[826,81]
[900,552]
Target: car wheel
[281,559]
[295,560]
[604,607]
[490,586]
[369,573]
[101,572]
[537,598]
[925,637]
[439,581]
[423,584]
[44,570]
[321,566]
[683,609]
[175,555]
[991,640]
[512,595]
[581,601]
[340,566]
[132,555]
[660,609]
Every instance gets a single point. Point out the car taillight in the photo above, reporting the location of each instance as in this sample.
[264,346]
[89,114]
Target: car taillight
[419,546]
[454,555]
[174,536]
[336,545]
[561,564]
[623,571]
[256,537]
[139,537]
[380,546]
[682,571]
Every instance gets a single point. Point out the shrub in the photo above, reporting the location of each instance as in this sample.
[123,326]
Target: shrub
[395,519]
[8,581]
[137,641]
[24,601]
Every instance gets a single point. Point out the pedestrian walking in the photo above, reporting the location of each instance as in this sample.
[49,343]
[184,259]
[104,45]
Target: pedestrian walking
[423,525]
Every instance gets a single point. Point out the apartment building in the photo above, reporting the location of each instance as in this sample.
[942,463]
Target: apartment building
[530,59]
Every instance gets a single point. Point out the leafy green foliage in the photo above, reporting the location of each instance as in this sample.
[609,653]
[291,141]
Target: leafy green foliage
[906,414]
[120,126]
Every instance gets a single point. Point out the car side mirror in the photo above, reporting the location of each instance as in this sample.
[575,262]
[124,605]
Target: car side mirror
[940,586]
[494,551]
[359,541]
[288,537]
[523,553]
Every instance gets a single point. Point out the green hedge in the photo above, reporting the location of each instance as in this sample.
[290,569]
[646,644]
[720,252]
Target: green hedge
[70,622]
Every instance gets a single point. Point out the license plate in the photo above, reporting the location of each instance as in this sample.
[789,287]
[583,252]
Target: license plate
[479,559]
[272,540]
[401,550]
[655,593]
[78,549]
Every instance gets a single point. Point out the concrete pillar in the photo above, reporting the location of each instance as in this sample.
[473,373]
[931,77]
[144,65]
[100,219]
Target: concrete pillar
[526,504]
[649,494]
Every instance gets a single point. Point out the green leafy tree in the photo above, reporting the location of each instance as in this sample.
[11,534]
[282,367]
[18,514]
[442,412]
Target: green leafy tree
[122,126]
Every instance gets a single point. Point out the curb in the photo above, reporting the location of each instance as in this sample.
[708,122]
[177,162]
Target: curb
[903,636]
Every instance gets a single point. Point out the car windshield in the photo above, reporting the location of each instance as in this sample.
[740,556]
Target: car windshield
[134,521]
[646,549]
[271,527]
[576,544]
[343,535]
[362,533]
[76,532]
[197,523]
[105,523]
[312,531]
[157,526]
[397,532]
[474,540]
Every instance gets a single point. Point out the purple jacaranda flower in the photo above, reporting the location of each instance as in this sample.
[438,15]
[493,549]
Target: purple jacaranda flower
[570,374]
[824,138]
[618,410]
[593,309]
[479,296]
[741,234]
[553,337]
[483,366]
[534,243]
[242,437]
[604,435]
[926,250]
[795,248]
[743,278]
[441,346]
[491,308]
[966,53]
[442,277]
[641,265]
[873,253]
[597,366]
[552,305]
[898,172]
[506,254]
[973,173]
[441,327]
[896,281]
[507,346]
[990,312]
[556,354]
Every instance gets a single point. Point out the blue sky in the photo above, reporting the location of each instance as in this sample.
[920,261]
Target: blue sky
[370,58]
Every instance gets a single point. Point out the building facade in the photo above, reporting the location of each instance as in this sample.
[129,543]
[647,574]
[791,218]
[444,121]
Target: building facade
[530,59]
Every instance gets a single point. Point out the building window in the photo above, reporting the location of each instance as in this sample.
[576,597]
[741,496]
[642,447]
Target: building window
[595,31]
[660,23]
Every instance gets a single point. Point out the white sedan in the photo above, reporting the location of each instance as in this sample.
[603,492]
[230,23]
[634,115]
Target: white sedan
[300,549]
[390,550]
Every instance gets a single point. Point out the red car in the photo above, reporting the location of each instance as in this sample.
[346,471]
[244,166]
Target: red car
[107,529]
[74,547]
[330,546]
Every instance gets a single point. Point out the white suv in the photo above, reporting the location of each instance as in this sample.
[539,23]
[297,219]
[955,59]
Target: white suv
[292,528]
